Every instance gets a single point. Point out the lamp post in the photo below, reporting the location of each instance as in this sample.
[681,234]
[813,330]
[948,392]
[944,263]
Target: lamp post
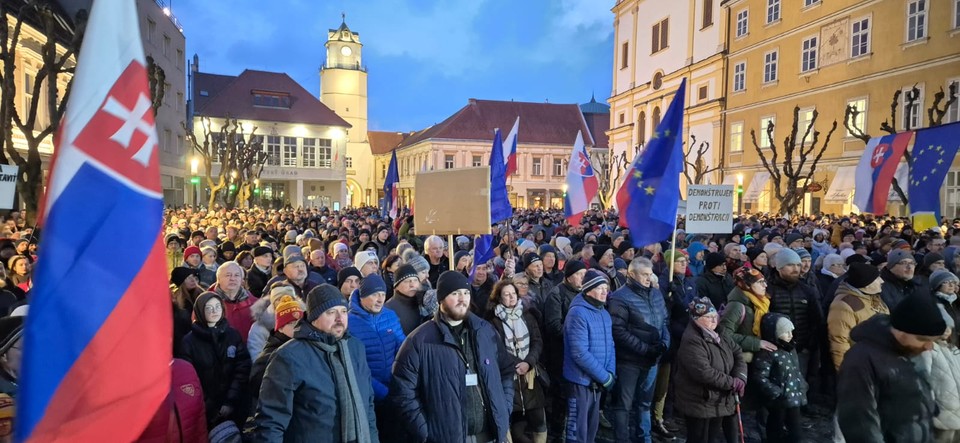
[563,204]
[739,194]
[195,179]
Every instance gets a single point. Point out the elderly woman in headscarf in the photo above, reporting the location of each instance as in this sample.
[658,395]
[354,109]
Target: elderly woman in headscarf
[711,373]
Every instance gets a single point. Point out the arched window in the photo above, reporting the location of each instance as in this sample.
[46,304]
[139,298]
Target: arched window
[642,128]
[656,117]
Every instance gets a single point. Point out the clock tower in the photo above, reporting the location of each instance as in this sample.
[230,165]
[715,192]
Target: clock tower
[343,88]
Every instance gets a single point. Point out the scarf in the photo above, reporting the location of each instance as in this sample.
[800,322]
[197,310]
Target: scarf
[950,298]
[353,412]
[761,305]
[515,331]
[826,271]
[712,335]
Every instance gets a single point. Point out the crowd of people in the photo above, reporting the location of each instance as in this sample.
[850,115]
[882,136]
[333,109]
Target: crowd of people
[347,326]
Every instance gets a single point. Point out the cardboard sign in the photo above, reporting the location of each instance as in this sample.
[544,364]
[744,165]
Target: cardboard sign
[452,202]
[709,209]
[8,185]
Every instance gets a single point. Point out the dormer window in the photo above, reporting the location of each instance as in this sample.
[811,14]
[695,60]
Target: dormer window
[271,99]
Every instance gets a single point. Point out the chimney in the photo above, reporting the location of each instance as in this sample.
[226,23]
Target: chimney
[196,63]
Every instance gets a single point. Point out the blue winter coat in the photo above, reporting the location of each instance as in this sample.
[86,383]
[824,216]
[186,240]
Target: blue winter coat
[429,381]
[589,355]
[382,336]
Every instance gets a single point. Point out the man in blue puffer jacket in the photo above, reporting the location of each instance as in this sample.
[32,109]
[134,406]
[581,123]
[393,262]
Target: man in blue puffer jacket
[380,331]
[589,362]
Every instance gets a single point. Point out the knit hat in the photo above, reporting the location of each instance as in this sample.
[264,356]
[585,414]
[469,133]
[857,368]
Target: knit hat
[802,253]
[345,273]
[262,250]
[449,282]
[171,237]
[753,253]
[280,288]
[293,258]
[854,258]
[403,272]
[784,326]
[546,249]
[619,263]
[364,257]
[861,275]
[526,246]
[599,250]
[593,279]
[941,276]
[287,310]
[562,242]
[830,260]
[180,274]
[786,257]
[290,236]
[700,307]
[790,238]
[530,258]
[372,284]
[900,244]
[668,255]
[419,263]
[931,258]
[197,233]
[713,260]
[208,250]
[340,247]
[190,251]
[571,267]
[624,247]
[322,298]
[460,254]
[228,246]
[918,315]
[772,248]
[895,256]
[746,277]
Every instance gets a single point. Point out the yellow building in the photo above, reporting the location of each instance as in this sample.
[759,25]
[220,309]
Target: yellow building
[658,44]
[824,55]
[343,88]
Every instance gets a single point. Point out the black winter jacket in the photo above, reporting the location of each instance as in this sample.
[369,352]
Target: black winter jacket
[525,399]
[776,375]
[257,281]
[677,294]
[881,395]
[640,324]
[801,303]
[428,388]
[554,312]
[715,288]
[895,289]
[276,340]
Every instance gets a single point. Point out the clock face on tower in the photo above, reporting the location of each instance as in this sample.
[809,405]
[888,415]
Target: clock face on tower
[346,51]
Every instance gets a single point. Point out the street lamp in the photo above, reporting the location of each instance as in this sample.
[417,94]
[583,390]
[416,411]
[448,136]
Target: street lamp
[564,187]
[739,194]
[195,179]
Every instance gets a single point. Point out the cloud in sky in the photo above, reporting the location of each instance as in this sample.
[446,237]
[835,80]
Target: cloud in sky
[425,57]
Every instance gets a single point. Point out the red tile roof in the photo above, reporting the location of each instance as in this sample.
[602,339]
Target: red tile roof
[233,96]
[545,123]
[382,142]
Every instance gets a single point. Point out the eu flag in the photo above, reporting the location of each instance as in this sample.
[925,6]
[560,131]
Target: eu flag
[500,208]
[933,153]
[482,252]
[650,193]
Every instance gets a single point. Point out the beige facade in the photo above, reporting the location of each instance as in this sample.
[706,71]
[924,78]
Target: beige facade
[823,55]
[343,88]
[163,40]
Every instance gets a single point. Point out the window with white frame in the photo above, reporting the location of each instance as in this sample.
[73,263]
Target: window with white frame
[325,153]
[477,161]
[809,3]
[151,29]
[860,37]
[707,13]
[558,167]
[736,137]
[912,114]
[773,11]
[953,112]
[762,133]
[808,55]
[289,151]
[804,119]
[740,77]
[860,121]
[28,80]
[309,152]
[168,140]
[742,23]
[448,161]
[166,45]
[770,66]
[537,166]
[916,20]
[272,148]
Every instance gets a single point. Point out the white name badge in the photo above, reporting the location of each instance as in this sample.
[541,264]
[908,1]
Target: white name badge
[471,379]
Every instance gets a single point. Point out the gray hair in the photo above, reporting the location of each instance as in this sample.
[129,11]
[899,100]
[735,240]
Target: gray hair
[640,263]
[223,269]
[433,239]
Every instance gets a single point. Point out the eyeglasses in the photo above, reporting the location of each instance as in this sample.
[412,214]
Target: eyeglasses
[212,308]
[907,264]
[761,282]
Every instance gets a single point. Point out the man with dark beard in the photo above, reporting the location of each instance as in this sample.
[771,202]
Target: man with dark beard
[882,395]
[455,357]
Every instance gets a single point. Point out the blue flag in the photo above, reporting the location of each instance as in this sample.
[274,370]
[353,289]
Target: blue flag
[390,191]
[649,196]
[482,251]
[500,208]
[933,153]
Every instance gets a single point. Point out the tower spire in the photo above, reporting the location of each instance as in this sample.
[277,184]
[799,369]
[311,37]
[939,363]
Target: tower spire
[343,17]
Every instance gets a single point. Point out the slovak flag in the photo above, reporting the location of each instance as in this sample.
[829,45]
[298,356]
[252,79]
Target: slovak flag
[510,148]
[97,341]
[876,170]
[582,183]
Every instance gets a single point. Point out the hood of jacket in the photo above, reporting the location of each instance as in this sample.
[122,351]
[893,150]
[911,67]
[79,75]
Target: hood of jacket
[768,327]
[949,255]
[263,313]
[737,295]
[693,249]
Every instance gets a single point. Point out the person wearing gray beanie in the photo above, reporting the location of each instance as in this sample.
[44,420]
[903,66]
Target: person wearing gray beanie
[941,277]
[899,278]
[786,257]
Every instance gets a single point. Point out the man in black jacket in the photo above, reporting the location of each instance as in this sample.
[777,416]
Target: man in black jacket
[715,283]
[899,281]
[259,274]
[881,394]
[793,297]
[555,310]
[455,358]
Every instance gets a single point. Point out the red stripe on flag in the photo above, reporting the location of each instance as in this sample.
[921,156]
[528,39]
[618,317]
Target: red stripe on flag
[120,380]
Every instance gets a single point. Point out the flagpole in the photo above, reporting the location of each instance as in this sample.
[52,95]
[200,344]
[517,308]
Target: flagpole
[673,244]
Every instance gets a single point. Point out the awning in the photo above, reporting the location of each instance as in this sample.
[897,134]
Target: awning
[757,185]
[730,179]
[841,188]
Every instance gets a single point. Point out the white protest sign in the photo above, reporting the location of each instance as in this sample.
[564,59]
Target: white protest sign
[8,185]
[709,209]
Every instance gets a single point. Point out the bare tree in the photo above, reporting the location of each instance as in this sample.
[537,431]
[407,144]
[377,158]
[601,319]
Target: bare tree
[698,166]
[935,115]
[239,154]
[156,78]
[799,160]
[59,42]
[610,169]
